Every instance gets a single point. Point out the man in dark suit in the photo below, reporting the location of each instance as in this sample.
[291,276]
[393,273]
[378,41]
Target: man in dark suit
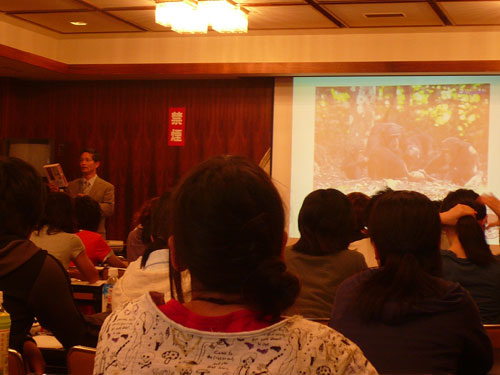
[92,185]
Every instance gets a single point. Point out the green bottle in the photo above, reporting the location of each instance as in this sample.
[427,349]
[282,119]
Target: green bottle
[4,338]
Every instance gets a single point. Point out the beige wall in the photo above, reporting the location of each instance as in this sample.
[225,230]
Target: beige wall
[403,44]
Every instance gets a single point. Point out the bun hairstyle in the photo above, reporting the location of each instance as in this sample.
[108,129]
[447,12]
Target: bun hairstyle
[227,222]
[469,230]
[405,229]
[326,223]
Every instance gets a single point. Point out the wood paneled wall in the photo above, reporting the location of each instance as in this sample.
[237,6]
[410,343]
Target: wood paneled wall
[127,122]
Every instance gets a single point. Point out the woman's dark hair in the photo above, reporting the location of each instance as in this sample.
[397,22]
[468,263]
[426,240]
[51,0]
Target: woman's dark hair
[470,232]
[88,213]
[405,229]
[59,214]
[359,203]
[228,224]
[326,223]
[158,228]
[22,197]
[143,218]
[373,199]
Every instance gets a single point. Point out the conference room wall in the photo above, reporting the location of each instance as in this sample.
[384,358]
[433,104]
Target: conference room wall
[128,122]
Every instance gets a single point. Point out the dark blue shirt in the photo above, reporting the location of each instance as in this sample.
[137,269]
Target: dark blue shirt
[483,283]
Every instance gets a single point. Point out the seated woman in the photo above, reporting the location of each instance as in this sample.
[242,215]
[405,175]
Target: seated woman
[140,237]
[321,257]
[55,233]
[88,217]
[152,271]
[227,223]
[33,282]
[469,260]
[404,317]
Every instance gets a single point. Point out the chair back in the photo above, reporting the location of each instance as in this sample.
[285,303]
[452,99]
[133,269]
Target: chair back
[80,360]
[493,331]
[16,363]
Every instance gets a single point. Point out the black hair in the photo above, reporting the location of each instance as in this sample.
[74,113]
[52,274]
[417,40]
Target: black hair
[359,202]
[59,214]
[470,232]
[96,156]
[88,213]
[22,197]
[143,218]
[159,230]
[326,223]
[373,199]
[405,229]
[228,225]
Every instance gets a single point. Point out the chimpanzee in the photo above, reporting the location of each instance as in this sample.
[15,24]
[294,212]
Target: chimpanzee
[457,162]
[383,149]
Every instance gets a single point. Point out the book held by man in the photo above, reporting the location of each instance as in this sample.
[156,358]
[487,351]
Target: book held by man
[55,175]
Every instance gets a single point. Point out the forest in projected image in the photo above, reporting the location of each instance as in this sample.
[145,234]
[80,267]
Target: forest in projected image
[430,138]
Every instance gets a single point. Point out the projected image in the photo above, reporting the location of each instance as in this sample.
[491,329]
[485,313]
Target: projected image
[431,138]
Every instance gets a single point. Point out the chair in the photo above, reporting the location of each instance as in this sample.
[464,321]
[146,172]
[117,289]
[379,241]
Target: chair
[16,363]
[493,331]
[80,360]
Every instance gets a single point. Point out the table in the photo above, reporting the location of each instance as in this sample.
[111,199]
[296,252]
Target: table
[86,294]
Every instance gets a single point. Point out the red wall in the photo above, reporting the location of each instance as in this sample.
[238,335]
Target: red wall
[127,122]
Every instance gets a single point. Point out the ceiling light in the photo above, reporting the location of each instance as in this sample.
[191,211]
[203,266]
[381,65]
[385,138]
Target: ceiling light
[192,17]
[78,23]
[224,17]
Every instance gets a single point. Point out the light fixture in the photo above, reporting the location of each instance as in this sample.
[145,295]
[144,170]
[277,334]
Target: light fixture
[78,23]
[194,17]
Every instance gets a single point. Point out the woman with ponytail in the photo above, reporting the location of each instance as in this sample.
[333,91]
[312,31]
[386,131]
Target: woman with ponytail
[426,324]
[227,228]
[153,270]
[469,260]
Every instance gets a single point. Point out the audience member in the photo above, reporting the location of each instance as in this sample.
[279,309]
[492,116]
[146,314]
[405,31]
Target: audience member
[359,203]
[92,185]
[364,245]
[56,233]
[469,260]
[426,324]
[153,271]
[33,282]
[139,238]
[88,217]
[228,230]
[494,204]
[321,257]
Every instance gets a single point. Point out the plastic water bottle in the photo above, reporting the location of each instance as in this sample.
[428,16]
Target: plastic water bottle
[107,289]
[4,338]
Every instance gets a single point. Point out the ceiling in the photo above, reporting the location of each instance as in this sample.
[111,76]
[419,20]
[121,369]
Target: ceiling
[137,16]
